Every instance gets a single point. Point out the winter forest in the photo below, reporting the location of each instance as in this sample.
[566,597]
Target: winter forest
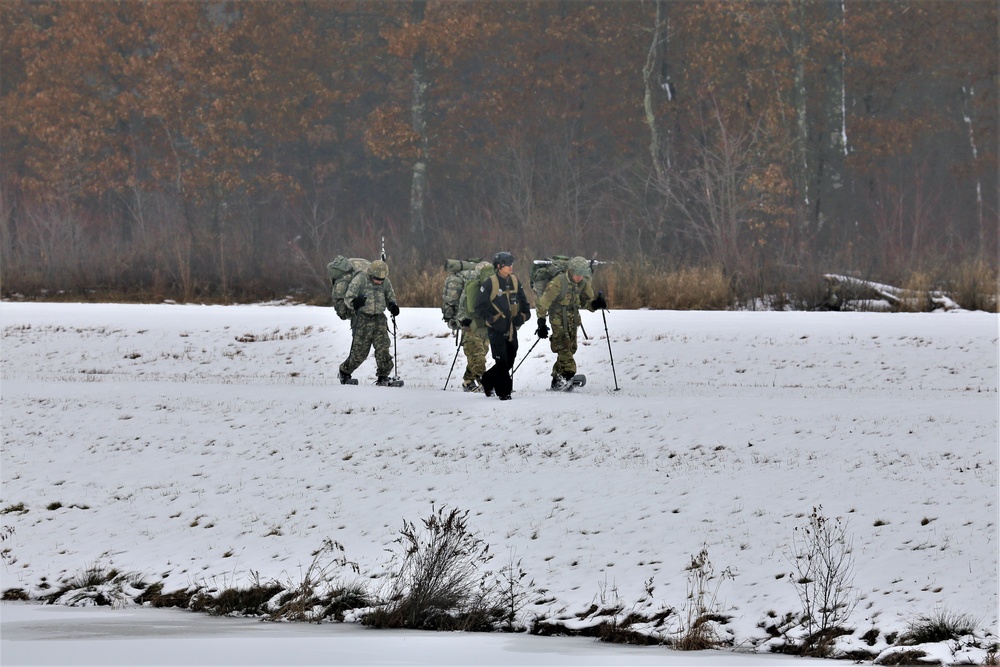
[226,151]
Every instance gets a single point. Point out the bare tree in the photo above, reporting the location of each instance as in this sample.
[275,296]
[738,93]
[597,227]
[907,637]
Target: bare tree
[713,195]
[822,556]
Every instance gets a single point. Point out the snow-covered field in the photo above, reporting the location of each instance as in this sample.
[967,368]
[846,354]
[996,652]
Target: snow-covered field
[213,446]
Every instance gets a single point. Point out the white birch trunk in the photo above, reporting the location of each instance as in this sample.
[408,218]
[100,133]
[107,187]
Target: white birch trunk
[418,110]
[968,95]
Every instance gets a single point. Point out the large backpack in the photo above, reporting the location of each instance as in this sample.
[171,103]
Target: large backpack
[453,291]
[341,271]
[544,270]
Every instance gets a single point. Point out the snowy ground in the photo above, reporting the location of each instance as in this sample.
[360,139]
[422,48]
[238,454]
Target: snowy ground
[212,446]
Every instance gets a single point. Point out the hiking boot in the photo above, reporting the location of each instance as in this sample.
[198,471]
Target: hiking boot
[382,381]
[345,378]
[504,397]
[471,386]
[487,389]
[559,383]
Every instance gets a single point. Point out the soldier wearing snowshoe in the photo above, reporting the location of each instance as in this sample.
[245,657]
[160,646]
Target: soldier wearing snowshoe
[561,301]
[368,296]
[502,305]
[475,339]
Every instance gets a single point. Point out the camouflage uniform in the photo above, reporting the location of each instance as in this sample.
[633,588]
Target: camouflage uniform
[475,338]
[369,326]
[561,301]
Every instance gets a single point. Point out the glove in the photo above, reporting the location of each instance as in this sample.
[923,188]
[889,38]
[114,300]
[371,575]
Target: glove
[599,303]
[543,329]
[466,322]
[393,308]
[452,324]
[358,302]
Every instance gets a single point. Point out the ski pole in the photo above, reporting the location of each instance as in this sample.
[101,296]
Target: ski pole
[525,356]
[395,347]
[612,356]
[458,348]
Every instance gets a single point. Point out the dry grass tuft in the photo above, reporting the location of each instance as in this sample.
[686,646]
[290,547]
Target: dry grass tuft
[641,285]
[974,286]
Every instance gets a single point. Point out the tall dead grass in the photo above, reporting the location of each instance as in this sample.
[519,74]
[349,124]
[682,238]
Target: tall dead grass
[974,285]
[639,283]
[626,286]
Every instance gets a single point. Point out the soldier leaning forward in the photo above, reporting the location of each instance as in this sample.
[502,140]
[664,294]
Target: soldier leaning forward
[561,301]
[369,295]
[475,339]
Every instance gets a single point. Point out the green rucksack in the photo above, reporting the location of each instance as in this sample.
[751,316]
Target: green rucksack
[544,270]
[341,271]
[460,272]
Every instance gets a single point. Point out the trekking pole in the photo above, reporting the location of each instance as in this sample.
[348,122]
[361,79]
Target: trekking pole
[458,349]
[525,356]
[395,347]
[608,336]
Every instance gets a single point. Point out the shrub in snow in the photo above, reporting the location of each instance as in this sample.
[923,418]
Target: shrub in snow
[99,587]
[439,582]
[824,574]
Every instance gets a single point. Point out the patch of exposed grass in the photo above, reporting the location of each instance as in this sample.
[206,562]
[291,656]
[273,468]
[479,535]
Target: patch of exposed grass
[938,626]
[904,658]
[17,508]
[155,597]
[250,601]
[621,632]
[100,586]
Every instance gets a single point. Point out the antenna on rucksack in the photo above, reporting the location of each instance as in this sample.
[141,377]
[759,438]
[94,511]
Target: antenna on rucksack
[383,249]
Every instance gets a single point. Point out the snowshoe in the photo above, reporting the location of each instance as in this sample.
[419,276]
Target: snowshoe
[384,381]
[568,384]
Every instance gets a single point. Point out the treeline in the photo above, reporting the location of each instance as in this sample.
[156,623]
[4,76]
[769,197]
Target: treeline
[225,151]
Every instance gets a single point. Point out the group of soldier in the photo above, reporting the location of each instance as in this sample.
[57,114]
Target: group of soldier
[495,308]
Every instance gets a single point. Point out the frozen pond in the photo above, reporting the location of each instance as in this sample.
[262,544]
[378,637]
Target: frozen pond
[55,635]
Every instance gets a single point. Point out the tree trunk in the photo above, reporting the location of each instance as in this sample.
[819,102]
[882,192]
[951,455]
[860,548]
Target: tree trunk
[968,94]
[653,56]
[833,141]
[657,81]
[800,97]
[418,109]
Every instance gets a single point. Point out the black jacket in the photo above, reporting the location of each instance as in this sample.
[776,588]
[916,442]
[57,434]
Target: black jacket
[502,304]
